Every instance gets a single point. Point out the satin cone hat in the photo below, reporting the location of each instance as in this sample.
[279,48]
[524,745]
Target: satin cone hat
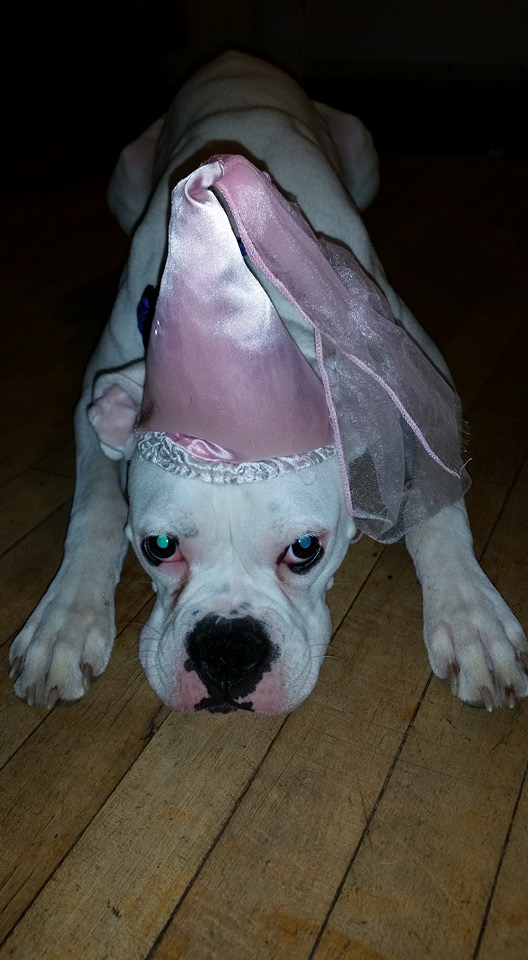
[229,397]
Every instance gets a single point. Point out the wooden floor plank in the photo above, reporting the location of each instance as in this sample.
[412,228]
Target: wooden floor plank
[418,887]
[492,323]
[27,501]
[42,811]
[28,568]
[59,378]
[498,437]
[505,933]
[61,460]
[410,891]
[505,929]
[133,863]
[50,426]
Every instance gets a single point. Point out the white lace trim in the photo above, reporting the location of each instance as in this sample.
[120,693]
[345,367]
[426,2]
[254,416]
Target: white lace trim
[158,448]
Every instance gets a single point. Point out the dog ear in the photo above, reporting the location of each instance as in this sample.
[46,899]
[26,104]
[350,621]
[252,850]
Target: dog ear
[116,402]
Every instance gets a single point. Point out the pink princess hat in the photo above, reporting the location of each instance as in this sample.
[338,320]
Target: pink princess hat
[229,397]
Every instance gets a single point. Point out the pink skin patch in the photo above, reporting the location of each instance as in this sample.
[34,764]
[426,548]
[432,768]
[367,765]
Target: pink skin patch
[267,698]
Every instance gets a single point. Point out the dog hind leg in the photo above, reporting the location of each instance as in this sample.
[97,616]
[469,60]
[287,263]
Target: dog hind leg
[132,179]
[359,158]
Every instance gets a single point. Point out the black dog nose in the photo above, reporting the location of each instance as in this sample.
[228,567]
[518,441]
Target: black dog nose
[230,655]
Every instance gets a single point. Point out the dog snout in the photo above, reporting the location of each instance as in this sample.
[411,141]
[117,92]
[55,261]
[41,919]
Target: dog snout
[230,655]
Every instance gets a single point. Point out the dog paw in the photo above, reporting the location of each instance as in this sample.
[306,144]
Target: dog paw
[61,648]
[476,643]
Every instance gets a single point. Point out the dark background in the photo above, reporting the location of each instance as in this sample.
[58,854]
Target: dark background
[425,75]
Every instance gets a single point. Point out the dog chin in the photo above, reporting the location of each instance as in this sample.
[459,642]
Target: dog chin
[275,692]
[268,698]
[187,694]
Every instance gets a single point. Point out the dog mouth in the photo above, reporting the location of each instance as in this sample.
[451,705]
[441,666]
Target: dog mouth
[223,706]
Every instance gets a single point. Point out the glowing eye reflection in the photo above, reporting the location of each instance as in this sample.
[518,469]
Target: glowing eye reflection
[160,548]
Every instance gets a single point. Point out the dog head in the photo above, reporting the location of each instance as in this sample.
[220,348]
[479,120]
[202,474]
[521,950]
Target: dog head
[240,572]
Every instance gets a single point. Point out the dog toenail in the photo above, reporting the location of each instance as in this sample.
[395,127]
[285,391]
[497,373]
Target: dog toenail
[53,696]
[87,676]
[487,698]
[16,668]
[452,676]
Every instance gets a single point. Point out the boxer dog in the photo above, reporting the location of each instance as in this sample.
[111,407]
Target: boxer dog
[289,401]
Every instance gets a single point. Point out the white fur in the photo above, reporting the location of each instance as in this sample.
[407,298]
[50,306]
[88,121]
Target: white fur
[232,537]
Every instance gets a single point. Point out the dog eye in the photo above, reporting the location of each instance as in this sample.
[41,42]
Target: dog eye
[157,549]
[303,553]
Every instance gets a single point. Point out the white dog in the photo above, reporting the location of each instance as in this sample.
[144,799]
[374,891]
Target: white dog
[241,568]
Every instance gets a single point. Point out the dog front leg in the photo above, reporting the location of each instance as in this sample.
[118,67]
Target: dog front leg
[70,634]
[471,635]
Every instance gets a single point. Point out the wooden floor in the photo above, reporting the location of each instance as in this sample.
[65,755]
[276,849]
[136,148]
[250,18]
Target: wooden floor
[382,819]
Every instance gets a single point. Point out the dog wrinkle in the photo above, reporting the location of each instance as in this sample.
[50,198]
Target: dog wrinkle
[176,593]
[229,515]
[189,531]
